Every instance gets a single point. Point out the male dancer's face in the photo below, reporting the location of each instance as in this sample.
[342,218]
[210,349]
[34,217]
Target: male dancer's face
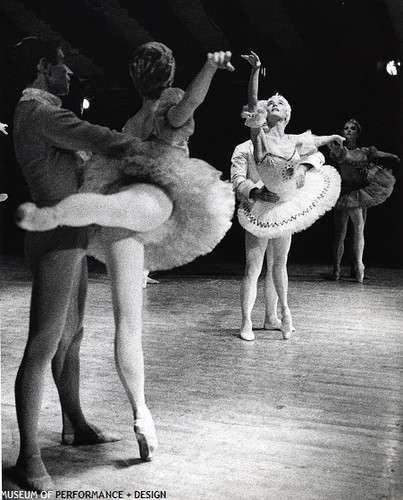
[58,77]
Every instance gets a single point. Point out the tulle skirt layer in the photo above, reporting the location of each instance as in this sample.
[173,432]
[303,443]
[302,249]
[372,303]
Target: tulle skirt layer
[203,203]
[318,195]
[380,186]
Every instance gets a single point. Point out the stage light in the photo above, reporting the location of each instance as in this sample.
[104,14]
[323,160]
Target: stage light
[86,103]
[392,67]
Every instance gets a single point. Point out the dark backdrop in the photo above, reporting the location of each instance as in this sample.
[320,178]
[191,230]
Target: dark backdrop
[338,76]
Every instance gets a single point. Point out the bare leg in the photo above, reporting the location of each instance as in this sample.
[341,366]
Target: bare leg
[54,273]
[125,261]
[139,207]
[66,373]
[255,249]
[357,218]
[340,227]
[281,247]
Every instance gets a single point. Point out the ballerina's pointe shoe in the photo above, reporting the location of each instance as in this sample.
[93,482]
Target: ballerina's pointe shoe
[286,325]
[247,335]
[28,216]
[146,436]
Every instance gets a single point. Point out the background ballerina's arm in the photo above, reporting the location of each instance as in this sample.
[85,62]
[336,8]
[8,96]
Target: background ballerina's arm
[384,154]
[198,88]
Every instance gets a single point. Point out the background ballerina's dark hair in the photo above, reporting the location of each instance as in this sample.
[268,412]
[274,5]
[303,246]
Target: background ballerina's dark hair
[354,121]
[152,68]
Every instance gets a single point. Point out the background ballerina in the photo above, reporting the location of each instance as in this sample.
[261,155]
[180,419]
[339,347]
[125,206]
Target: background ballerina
[364,185]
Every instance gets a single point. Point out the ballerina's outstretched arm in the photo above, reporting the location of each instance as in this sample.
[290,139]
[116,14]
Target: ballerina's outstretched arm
[139,207]
[259,149]
[198,88]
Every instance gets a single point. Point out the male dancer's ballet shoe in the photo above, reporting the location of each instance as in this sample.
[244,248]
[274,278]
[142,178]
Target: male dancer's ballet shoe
[32,475]
[28,216]
[286,324]
[89,435]
[145,434]
[247,335]
[336,274]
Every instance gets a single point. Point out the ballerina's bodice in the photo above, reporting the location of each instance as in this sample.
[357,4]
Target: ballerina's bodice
[354,165]
[279,171]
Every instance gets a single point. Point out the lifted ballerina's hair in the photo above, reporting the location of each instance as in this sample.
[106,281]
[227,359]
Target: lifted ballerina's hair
[152,68]
[353,120]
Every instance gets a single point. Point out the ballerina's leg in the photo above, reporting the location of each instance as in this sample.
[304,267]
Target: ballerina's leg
[255,250]
[281,247]
[139,207]
[340,230]
[125,263]
[358,220]
[271,321]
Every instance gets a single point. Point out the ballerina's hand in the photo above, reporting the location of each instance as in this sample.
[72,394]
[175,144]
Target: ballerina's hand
[253,59]
[396,158]
[338,140]
[3,127]
[221,60]
[264,194]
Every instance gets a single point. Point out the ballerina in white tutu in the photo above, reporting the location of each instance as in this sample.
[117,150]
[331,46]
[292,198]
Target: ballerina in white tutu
[283,188]
[154,210]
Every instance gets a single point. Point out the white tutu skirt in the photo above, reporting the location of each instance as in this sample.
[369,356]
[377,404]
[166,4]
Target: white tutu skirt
[380,186]
[203,203]
[272,220]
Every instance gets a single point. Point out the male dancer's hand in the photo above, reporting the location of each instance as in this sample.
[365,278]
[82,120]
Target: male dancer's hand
[263,194]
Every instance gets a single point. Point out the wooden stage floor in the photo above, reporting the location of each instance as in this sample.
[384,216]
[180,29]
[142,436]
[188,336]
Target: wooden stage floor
[318,417]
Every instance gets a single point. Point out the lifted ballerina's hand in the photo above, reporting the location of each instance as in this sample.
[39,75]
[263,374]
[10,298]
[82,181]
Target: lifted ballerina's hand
[253,59]
[221,60]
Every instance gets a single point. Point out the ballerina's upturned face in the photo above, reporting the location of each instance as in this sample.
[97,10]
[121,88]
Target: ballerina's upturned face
[350,131]
[277,108]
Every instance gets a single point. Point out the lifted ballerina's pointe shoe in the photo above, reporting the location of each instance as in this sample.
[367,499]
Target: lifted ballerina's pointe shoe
[146,435]
[286,324]
[28,216]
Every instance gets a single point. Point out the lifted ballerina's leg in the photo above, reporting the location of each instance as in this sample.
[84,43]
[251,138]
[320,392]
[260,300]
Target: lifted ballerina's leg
[139,207]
